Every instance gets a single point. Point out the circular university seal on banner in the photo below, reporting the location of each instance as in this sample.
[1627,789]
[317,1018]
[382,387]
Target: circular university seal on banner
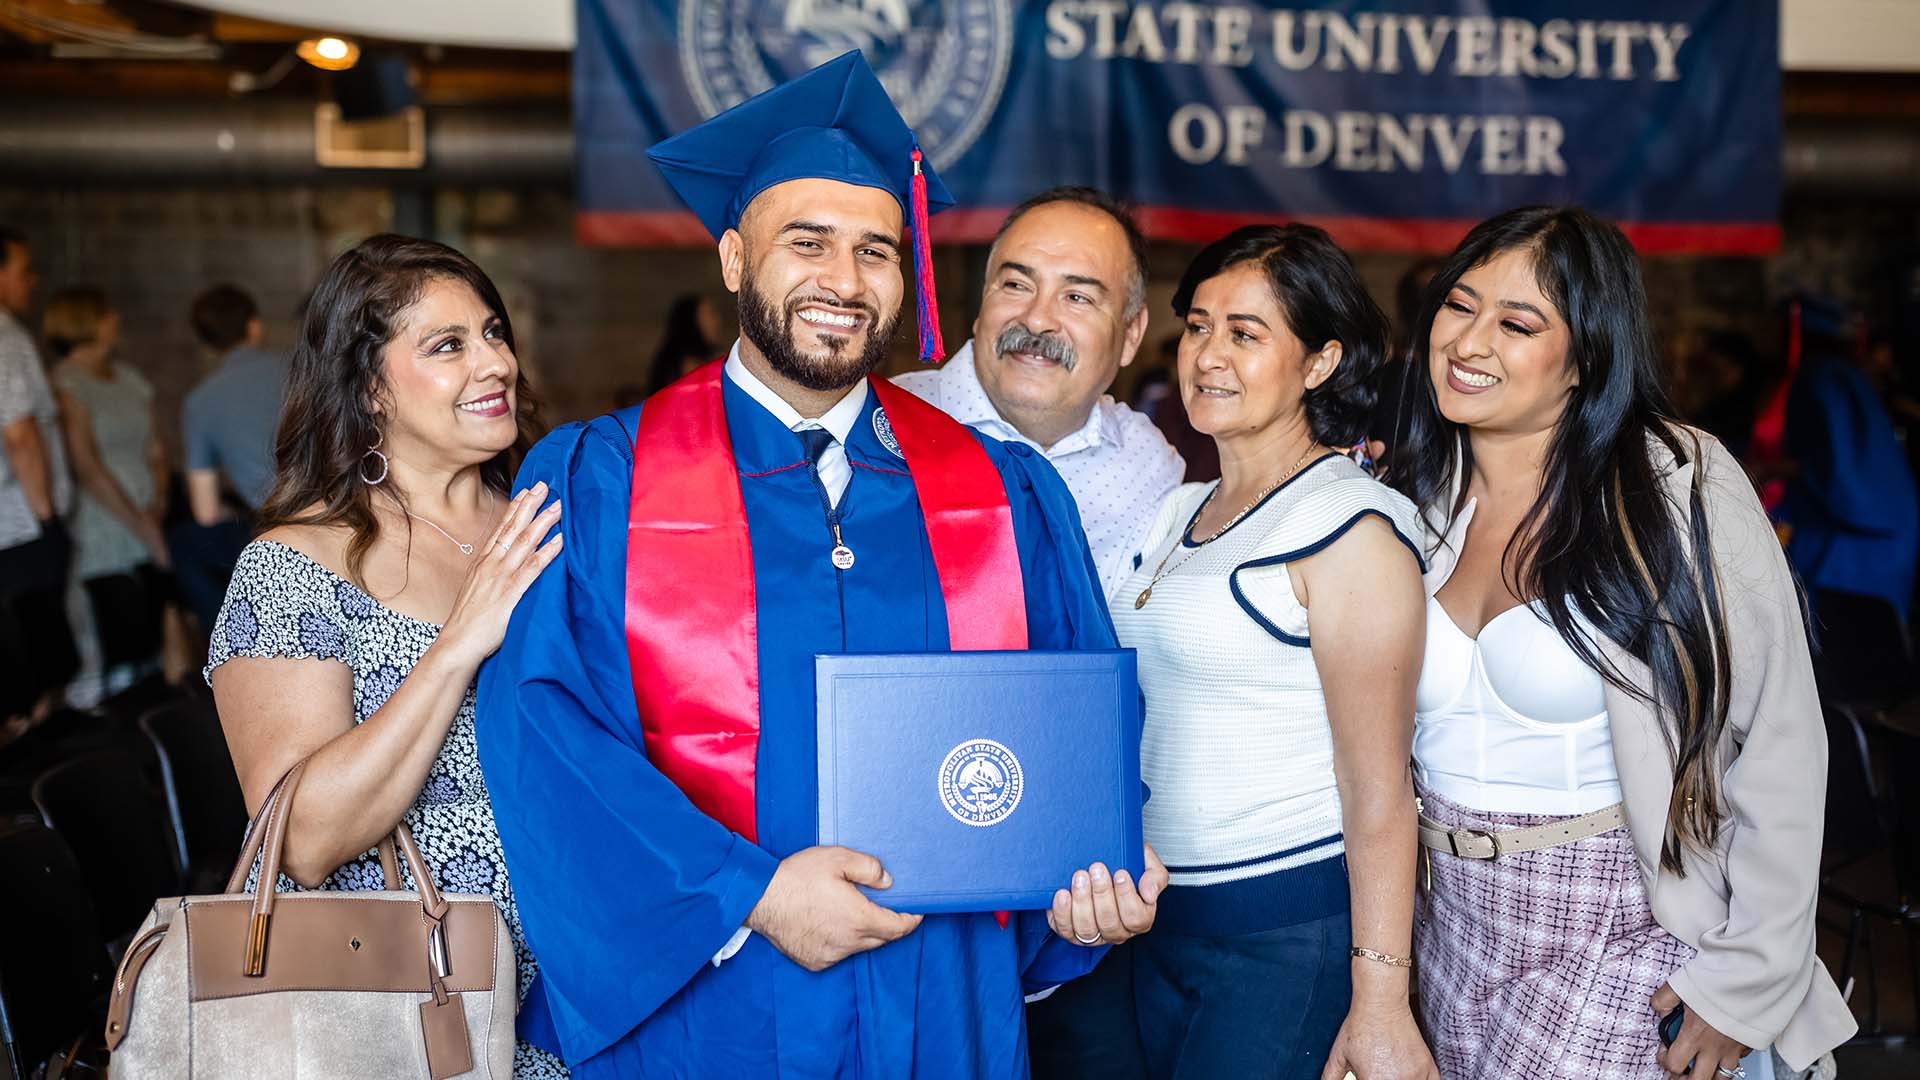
[981,782]
[883,430]
[944,62]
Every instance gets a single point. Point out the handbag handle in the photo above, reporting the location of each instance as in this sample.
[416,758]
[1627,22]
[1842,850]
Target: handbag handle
[266,837]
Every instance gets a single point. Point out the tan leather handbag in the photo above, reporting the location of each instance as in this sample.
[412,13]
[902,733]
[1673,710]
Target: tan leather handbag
[316,984]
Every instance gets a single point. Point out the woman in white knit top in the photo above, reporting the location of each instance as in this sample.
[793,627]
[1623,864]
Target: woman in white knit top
[1278,616]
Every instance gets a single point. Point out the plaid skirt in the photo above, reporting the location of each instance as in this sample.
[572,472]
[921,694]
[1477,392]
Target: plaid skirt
[1540,964]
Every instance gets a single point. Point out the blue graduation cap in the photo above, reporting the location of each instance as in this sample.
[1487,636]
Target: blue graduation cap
[833,123]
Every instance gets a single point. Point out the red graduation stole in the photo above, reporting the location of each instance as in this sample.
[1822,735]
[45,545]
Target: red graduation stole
[692,628]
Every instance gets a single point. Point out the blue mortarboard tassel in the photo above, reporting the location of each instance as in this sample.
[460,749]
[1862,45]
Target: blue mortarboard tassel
[932,349]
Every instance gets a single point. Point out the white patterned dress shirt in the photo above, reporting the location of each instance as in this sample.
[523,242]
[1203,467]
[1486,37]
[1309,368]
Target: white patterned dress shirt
[1118,466]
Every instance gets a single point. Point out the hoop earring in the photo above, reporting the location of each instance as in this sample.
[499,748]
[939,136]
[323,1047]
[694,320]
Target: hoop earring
[374,452]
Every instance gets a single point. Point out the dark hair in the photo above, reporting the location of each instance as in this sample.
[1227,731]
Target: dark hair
[1600,540]
[682,338]
[1320,294]
[1409,296]
[337,374]
[8,238]
[1119,211]
[220,316]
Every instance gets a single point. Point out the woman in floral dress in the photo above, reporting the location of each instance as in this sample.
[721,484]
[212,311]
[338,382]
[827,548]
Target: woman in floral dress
[389,565]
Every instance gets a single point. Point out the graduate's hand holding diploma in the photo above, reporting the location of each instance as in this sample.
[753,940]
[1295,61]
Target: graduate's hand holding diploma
[1107,909]
[814,915]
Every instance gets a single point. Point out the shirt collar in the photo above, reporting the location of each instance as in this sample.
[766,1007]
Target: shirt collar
[838,420]
[966,401]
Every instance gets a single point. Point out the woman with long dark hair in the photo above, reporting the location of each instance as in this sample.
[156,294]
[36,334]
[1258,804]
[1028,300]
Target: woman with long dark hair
[390,562]
[1618,744]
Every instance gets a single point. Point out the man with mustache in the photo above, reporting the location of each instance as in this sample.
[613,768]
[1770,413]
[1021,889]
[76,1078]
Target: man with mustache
[1063,310]
[647,729]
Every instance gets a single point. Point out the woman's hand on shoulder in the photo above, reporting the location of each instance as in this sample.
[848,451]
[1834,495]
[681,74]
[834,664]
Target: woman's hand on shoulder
[1380,1043]
[503,570]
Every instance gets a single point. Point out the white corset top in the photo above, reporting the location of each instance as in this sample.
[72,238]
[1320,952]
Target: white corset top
[1514,721]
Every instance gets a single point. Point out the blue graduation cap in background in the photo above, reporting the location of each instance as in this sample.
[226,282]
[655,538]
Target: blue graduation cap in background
[833,123]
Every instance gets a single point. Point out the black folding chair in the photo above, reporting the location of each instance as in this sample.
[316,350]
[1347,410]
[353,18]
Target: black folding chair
[101,805]
[54,968]
[1871,813]
[203,795]
[1862,653]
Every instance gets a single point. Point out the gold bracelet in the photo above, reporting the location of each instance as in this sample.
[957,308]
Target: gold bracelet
[1382,958]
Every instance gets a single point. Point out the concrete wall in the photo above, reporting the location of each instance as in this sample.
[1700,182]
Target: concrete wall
[588,319]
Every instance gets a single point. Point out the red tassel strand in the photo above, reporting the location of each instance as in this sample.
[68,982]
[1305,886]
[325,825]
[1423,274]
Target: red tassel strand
[932,349]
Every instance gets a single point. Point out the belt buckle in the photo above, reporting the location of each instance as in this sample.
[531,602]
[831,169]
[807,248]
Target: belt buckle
[1472,844]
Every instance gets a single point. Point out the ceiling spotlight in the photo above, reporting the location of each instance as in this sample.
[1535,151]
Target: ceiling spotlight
[329,53]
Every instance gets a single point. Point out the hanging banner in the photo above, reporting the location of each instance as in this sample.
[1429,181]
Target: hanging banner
[1396,125]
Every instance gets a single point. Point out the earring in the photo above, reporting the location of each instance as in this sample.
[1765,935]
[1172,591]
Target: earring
[374,452]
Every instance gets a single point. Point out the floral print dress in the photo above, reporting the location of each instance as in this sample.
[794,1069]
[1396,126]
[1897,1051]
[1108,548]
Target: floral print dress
[281,603]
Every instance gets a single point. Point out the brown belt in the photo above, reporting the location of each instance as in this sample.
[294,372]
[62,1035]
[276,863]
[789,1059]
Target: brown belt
[1482,844]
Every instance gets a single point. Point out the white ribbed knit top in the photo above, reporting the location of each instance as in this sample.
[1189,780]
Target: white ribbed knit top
[1236,749]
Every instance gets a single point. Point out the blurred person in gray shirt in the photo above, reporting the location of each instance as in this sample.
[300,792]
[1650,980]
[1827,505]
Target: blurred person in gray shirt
[36,490]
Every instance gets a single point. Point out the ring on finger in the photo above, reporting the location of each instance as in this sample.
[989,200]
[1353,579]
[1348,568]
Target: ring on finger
[506,546]
[1094,940]
[1738,1072]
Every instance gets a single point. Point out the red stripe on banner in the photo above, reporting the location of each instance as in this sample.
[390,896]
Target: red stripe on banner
[976,225]
[640,228]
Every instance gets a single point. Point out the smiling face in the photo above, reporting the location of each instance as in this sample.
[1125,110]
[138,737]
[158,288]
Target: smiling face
[1241,368]
[1054,326]
[449,374]
[816,264]
[1498,349]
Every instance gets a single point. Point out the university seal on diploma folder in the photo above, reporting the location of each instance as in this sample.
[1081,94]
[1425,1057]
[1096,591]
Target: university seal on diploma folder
[981,782]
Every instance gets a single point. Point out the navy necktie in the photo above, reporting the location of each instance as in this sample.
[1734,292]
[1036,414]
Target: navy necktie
[815,440]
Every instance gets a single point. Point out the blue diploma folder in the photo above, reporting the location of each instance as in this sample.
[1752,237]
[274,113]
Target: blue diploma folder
[981,780]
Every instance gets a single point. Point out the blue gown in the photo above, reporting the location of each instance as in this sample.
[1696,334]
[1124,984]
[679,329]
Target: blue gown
[627,891]
[1854,509]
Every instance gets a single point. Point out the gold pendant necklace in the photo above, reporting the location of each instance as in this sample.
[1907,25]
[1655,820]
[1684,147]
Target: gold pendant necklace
[1160,572]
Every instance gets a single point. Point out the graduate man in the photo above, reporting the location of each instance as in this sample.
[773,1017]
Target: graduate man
[647,729]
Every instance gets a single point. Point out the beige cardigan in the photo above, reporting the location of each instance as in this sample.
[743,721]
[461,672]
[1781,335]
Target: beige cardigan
[1748,906]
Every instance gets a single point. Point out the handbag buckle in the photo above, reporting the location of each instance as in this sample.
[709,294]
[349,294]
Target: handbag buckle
[437,950]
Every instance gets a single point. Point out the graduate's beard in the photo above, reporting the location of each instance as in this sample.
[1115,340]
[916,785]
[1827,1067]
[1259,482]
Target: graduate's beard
[838,367]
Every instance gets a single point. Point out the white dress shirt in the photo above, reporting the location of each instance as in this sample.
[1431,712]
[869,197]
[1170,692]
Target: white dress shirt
[1118,466]
[835,470]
